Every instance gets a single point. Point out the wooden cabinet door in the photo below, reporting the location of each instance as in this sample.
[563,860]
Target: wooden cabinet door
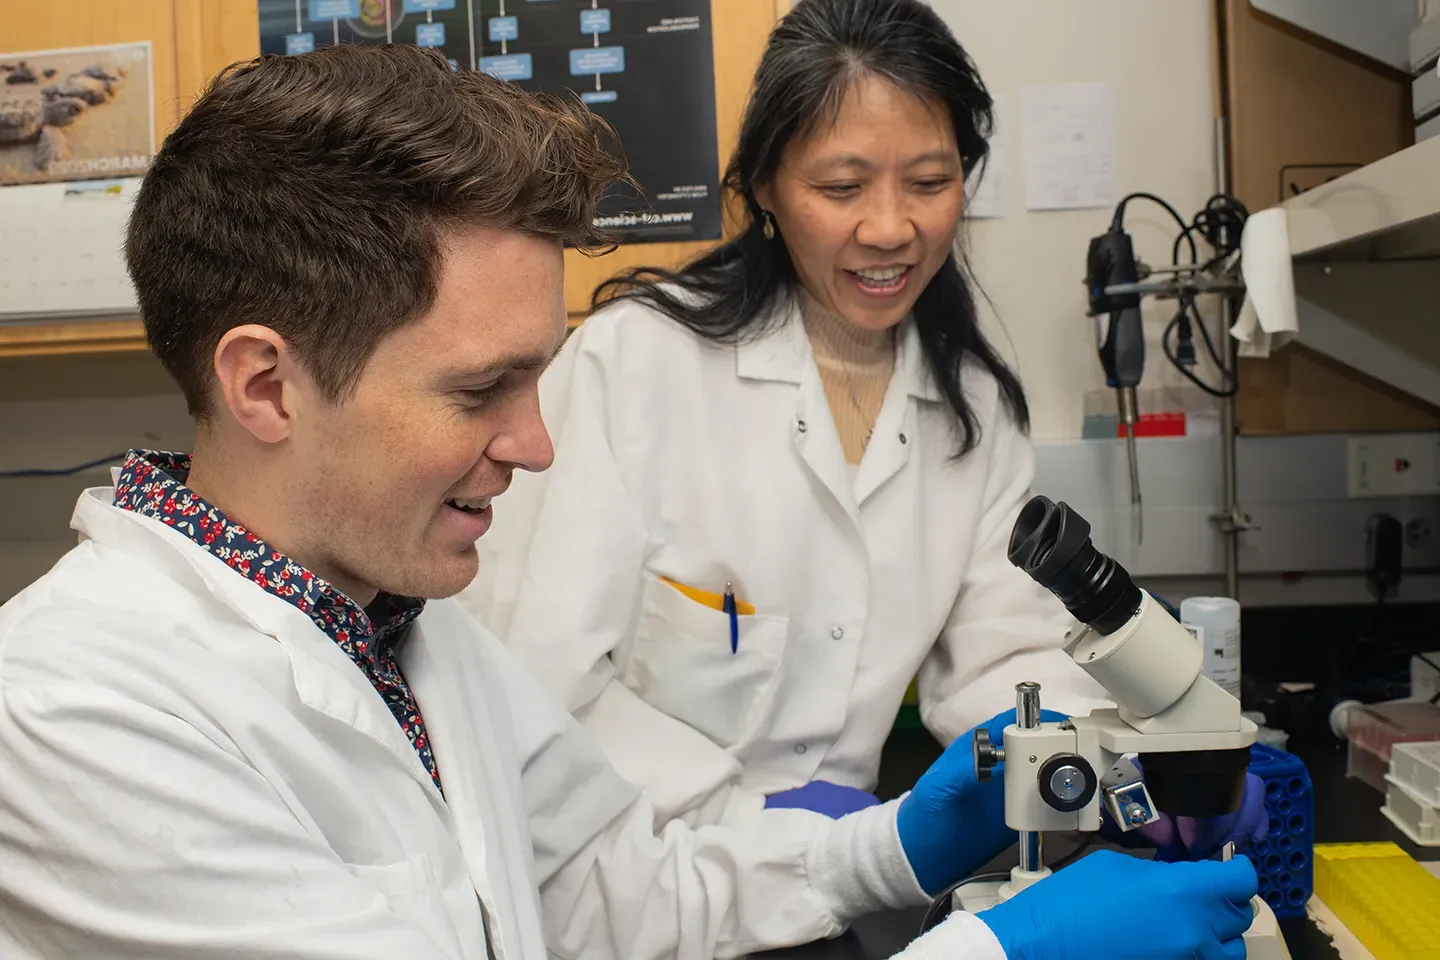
[1300,110]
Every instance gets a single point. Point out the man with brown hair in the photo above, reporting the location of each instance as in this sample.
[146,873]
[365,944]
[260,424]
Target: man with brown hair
[230,726]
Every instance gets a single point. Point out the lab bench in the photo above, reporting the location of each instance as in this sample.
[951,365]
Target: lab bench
[1345,811]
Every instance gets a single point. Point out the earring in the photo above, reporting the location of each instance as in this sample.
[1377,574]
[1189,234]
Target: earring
[769,228]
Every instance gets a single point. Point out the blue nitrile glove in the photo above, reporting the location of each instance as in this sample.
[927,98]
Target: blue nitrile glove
[821,796]
[1199,838]
[1123,908]
[951,823]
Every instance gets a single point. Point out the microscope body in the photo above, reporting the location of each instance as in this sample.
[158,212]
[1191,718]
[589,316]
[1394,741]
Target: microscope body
[1059,776]
[1187,732]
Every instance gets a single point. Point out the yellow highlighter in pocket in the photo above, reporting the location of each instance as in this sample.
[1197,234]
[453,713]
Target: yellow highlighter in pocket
[714,601]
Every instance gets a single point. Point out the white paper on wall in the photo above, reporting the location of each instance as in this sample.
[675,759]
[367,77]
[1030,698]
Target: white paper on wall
[985,191]
[1068,137]
[62,250]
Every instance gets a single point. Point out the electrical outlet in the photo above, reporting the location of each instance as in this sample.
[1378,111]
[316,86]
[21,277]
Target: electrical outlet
[1393,465]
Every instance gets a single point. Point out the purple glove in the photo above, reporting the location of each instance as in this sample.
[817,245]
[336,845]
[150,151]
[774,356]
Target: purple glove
[1196,838]
[831,799]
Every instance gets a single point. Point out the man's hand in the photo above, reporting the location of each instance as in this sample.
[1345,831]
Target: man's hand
[1181,911]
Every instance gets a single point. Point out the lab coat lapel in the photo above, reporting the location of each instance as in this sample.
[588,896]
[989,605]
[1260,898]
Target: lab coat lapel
[334,686]
[325,678]
[895,433]
[818,443]
[468,725]
[784,355]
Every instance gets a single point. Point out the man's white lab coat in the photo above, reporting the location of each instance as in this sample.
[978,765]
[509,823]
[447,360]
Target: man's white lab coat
[705,464]
[190,768]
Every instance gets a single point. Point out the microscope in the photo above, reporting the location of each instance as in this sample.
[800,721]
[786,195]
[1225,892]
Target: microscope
[1192,743]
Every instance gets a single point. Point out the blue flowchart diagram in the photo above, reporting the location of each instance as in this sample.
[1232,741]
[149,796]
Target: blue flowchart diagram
[597,60]
[400,21]
[297,26]
[645,66]
[593,60]
[429,33]
[505,30]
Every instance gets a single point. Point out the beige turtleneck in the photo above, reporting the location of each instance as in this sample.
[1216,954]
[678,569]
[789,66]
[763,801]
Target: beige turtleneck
[855,366]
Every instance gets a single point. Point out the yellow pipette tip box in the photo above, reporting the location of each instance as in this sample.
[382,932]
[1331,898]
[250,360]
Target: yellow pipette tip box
[1385,898]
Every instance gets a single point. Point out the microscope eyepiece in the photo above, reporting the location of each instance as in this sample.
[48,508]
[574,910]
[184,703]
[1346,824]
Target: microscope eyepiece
[1051,543]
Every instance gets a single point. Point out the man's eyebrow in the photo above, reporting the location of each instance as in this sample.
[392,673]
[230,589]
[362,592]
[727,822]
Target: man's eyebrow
[495,368]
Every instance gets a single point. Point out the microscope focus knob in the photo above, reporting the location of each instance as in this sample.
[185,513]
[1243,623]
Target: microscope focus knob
[987,755]
[1067,782]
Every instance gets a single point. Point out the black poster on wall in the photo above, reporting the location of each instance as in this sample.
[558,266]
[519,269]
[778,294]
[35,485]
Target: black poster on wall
[645,66]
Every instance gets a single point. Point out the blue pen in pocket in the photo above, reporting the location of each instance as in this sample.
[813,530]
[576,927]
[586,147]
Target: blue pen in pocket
[734,616]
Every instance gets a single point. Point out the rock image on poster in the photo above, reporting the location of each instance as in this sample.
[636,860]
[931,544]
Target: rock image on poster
[646,66]
[82,113]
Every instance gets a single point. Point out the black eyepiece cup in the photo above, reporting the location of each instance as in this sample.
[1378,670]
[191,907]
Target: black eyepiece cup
[1051,543]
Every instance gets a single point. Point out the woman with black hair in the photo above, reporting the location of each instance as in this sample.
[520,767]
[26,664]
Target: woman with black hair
[786,474]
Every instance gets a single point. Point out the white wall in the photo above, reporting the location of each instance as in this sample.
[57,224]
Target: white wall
[1158,55]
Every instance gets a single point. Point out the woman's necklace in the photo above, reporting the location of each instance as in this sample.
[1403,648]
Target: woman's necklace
[865,418]
[855,366]
[860,411]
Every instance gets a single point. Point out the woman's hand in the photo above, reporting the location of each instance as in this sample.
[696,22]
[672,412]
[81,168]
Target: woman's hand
[1199,838]
[821,796]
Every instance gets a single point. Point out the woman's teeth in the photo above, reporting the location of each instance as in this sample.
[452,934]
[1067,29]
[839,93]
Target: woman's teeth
[884,275]
[470,506]
[881,278]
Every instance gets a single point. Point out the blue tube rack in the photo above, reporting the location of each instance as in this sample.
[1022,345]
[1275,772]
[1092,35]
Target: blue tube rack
[1285,859]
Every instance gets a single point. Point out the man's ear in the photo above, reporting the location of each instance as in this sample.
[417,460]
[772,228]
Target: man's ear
[256,375]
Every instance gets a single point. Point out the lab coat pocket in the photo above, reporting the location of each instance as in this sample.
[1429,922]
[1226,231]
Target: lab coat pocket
[408,887]
[682,665]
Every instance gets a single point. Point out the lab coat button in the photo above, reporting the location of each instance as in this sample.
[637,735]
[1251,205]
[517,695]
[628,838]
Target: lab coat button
[838,633]
[800,748]
[800,425]
[902,438]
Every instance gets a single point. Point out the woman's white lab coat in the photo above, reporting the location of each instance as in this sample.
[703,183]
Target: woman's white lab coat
[705,465]
[190,769]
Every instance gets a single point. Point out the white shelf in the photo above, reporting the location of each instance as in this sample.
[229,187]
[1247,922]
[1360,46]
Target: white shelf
[1388,210]
[1366,249]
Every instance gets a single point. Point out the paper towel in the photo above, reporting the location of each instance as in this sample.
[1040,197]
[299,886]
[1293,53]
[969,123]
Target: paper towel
[1268,319]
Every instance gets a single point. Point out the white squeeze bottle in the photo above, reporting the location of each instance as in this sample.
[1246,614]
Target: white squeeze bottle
[1215,623]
